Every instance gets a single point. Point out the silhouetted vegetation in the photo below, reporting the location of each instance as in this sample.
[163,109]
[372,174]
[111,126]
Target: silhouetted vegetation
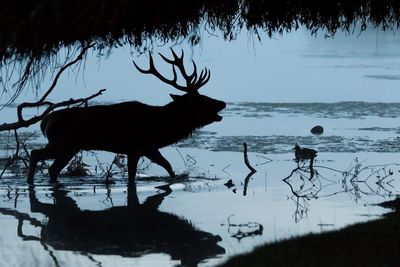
[16,148]
[41,27]
[32,34]
[77,168]
[374,243]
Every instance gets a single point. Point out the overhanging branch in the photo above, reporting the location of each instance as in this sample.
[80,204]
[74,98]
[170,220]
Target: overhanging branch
[42,101]
[51,107]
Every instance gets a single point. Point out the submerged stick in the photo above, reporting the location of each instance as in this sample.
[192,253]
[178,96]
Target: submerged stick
[252,170]
[246,159]
[246,182]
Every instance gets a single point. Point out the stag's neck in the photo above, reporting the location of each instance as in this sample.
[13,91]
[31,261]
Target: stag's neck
[175,124]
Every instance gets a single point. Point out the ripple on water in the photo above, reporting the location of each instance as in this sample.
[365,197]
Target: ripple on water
[276,144]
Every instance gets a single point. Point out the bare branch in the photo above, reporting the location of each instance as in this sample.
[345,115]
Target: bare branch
[42,101]
[51,107]
[246,159]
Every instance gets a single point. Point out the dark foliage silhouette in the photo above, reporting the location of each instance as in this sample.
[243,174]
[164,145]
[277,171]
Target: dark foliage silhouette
[131,231]
[41,27]
[130,128]
[36,36]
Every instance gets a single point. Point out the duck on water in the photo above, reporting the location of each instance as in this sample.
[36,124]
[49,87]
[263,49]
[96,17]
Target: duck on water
[302,154]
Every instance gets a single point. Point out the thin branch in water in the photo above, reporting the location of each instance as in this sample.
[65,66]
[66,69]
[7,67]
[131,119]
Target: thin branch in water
[11,160]
[243,230]
[6,167]
[252,170]
[225,168]
[191,160]
[268,160]
[183,159]
[246,159]
[19,143]
[246,182]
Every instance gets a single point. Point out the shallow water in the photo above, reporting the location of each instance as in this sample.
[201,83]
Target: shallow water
[275,127]
[216,204]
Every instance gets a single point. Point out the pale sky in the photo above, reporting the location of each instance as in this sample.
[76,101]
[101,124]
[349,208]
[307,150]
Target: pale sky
[296,67]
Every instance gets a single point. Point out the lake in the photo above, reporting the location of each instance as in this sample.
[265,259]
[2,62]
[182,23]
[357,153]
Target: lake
[357,166]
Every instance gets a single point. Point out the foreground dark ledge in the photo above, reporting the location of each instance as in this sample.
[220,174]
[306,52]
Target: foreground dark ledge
[374,243]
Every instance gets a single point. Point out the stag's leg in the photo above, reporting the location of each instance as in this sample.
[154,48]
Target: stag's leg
[133,200]
[157,158]
[59,163]
[36,156]
[133,160]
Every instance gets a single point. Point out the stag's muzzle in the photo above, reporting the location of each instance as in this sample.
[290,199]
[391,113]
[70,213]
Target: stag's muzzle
[221,105]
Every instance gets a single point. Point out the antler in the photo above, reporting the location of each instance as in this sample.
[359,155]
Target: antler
[193,83]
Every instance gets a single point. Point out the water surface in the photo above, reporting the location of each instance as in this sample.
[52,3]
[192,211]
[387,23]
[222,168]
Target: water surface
[216,202]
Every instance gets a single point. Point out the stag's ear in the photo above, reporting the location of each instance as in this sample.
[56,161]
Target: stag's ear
[175,97]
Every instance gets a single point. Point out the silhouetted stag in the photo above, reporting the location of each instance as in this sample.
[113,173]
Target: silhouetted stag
[130,128]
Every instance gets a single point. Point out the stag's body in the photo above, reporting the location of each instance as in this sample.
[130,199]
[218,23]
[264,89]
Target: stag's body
[120,128]
[130,128]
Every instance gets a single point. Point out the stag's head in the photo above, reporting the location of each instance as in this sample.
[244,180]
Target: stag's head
[199,109]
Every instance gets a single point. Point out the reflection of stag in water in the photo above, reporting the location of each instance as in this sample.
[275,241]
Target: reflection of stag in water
[311,182]
[133,230]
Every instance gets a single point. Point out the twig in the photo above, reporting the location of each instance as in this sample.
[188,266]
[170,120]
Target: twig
[42,101]
[108,196]
[268,160]
[6,166]
[35,119]
[18,142]
[191,160]
[12,159]
[246,182]
[16,198]
[24,146]
[183,159]
[246,159]
[244,229]
[252,170]
[225,168]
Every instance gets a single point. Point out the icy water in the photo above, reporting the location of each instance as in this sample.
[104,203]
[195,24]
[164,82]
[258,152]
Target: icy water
[216,208]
